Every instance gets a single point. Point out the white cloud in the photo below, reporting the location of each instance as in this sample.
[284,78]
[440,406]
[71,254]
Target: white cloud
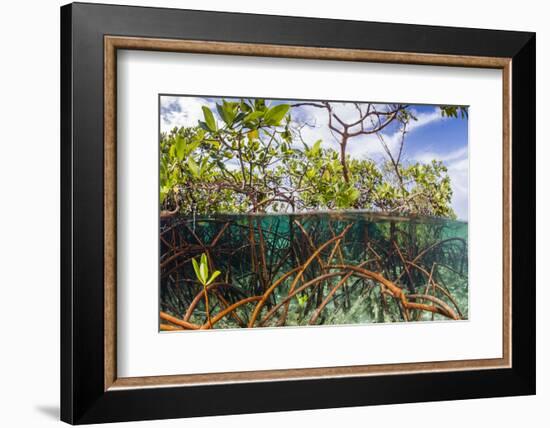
[425,118]
[458,172]
[181,111]
[455,155]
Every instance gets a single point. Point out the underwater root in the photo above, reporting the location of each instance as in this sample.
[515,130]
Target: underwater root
[408,301]
[186,325]
[316,269]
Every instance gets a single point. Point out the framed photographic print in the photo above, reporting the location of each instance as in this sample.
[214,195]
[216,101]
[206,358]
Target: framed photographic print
[291,213]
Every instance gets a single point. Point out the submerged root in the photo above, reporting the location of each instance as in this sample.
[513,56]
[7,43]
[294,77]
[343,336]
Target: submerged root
[267,276]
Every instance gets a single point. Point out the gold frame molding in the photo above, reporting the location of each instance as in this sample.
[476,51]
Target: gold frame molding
[113,43]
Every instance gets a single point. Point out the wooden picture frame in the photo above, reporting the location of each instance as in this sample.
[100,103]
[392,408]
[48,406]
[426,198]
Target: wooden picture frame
[91,390]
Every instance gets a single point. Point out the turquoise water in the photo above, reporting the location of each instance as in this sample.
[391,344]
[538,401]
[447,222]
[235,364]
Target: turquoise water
[307,257]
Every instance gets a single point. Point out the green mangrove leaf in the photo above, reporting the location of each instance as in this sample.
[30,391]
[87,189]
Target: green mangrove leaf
[204,166]
[213,277]
[275,114]
[163,193]
[354,194]
[197,269]
[163,168]
[253,116]
[180,147]
[244,107]
[226,112]
[259,104]
[191,147]
[302,300]
[316,149]
[253,135]
[209,118]
[204,268]
[193,167]
[203,125]
[172,151]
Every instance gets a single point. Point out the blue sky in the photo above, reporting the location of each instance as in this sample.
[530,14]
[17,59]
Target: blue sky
[431,136]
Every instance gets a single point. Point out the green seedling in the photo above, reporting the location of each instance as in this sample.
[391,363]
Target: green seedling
[201,270]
